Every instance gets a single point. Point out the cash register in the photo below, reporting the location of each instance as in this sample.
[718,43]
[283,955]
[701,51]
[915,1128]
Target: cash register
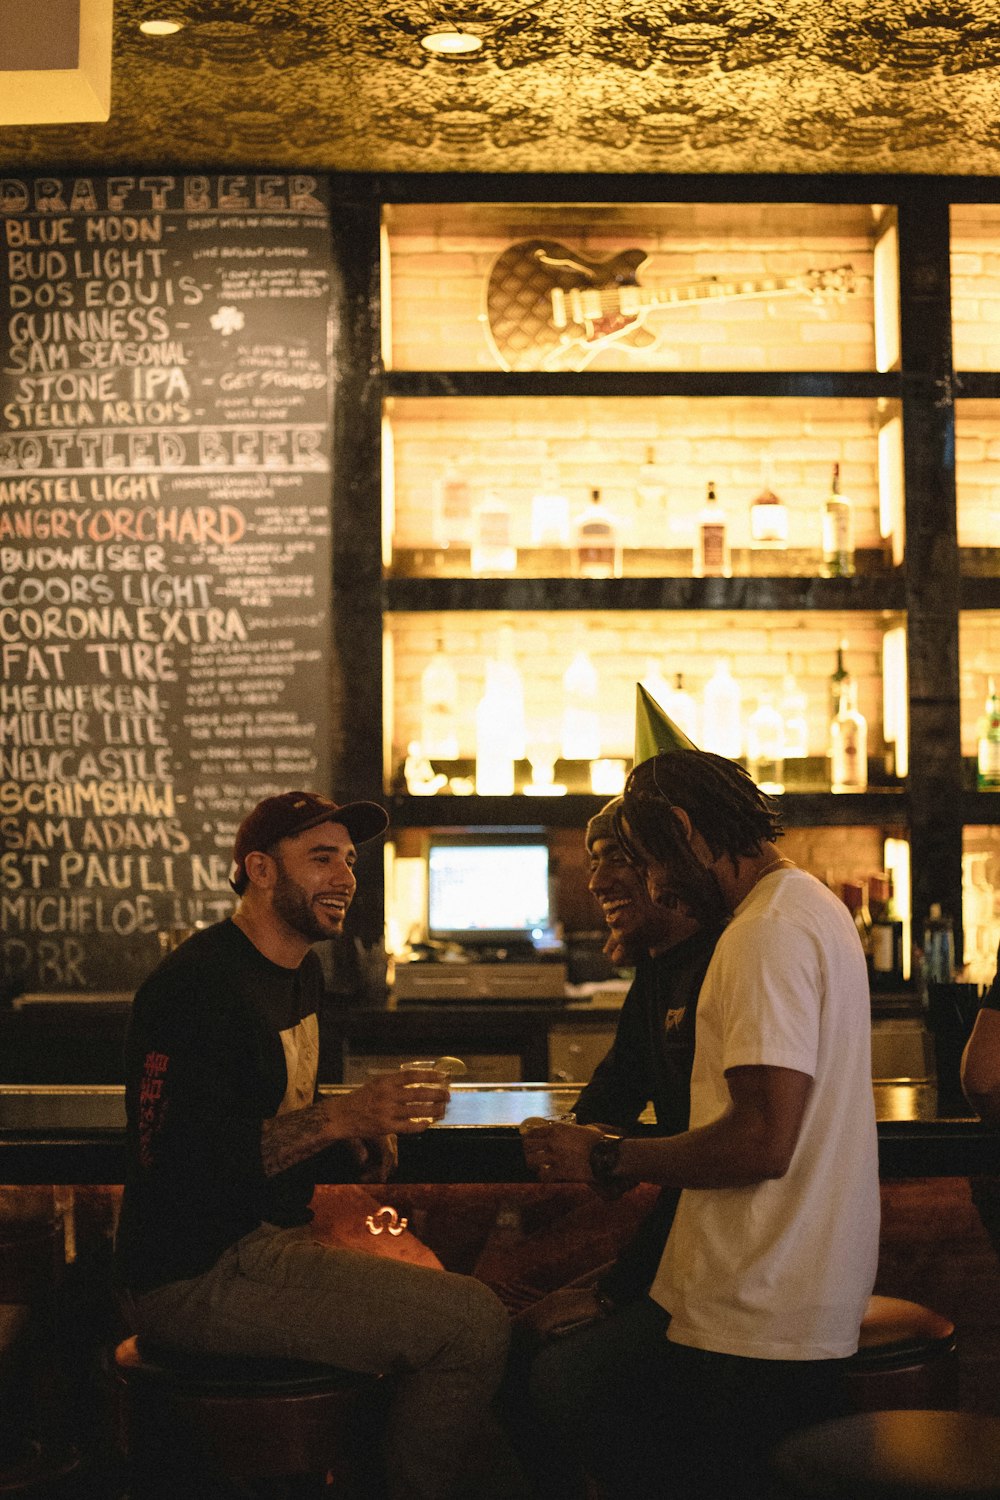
[491,933]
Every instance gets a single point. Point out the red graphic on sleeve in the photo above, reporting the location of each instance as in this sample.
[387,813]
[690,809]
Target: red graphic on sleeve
[152,1104]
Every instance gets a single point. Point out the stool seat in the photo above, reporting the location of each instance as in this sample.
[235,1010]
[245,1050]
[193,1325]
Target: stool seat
[230,1375]
[893,1455]
[241,1418]
[906,1358]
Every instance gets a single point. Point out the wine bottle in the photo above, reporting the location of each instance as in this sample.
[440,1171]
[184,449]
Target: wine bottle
[597,551]
[855,898]
[581,728]
[886,970]
[711,553]
[988,749]
[837,532]
[840,682]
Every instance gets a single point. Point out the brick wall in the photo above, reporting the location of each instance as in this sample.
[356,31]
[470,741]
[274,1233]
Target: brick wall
[979,655]
[975,286]
[977,464]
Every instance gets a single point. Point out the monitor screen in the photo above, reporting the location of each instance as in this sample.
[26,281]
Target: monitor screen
[488,887]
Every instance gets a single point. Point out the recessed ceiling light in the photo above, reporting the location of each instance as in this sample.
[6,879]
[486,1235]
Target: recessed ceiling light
[451,43]
[160,28]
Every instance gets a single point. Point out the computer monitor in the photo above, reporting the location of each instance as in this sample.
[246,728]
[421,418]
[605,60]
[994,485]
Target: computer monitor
[489,888]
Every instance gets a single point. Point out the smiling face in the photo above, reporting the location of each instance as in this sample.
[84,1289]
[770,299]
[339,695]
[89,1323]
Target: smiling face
[625,903]
[315,881]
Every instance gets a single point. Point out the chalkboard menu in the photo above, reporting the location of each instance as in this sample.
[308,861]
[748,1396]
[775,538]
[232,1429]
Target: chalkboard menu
[165,550]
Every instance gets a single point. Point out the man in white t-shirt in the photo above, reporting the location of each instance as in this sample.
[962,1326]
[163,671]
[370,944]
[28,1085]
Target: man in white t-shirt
[772,1255]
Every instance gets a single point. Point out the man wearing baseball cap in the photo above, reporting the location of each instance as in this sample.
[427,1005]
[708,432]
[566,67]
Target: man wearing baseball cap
[214,1250]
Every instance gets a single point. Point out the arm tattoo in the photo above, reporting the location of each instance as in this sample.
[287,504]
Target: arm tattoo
[290,1138]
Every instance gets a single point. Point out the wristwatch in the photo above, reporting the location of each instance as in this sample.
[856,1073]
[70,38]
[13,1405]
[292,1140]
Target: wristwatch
[604,1154]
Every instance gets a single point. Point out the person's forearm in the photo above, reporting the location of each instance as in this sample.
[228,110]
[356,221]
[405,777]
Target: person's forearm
[734,1151]
[293,1137]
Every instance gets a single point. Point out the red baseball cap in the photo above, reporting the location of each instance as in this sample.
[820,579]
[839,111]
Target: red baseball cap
[289,813]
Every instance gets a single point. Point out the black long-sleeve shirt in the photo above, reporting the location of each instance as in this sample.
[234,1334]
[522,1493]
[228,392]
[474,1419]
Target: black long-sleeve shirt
[650,1063]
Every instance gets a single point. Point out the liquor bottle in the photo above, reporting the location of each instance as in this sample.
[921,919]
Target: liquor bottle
[493,549]
[886,971]
[838,532]
[656,684]
[452,509]
[794,707]
[500,736]
[766,746]
[581,729]
[682,709]
[938,963]
[650,504]
[988,749]
[711,552]
[840,681]
[439,707]
[855,897]
[549,511]
[597,551]
[721,730]
[494,746]
[849,746]
[768,518]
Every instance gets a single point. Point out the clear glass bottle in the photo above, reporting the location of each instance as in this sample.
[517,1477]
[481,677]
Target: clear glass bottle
[849,746]
[453,508]
[988,747]
[597,548]
[712,558]
[439,707]
[768,518]
[549,511]
[494,745]
[682,708]
[766,746]
[650,504]
[837,532]
[794,711]
[493,550]
[581,727]
[722,730]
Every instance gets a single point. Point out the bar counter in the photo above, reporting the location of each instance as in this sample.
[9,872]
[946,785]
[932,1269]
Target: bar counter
[53,1133]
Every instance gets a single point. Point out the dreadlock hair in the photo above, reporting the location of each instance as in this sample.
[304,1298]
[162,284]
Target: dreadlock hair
[726,807]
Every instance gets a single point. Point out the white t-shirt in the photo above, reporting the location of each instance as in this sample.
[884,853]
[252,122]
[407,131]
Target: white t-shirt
[783,1269]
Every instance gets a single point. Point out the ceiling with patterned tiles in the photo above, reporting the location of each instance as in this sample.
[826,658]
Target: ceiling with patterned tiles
[828,86]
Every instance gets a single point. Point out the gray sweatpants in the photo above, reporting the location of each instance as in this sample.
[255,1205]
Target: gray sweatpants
[279,1292]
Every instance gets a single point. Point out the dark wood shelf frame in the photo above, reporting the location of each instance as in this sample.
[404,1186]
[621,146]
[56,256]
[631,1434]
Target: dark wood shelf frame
[930,588]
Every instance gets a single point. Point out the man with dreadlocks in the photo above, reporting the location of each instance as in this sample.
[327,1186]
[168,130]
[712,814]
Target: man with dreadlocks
[772,1255]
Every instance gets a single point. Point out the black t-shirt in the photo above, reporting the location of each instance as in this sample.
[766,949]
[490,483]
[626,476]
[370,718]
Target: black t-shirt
[204,1067]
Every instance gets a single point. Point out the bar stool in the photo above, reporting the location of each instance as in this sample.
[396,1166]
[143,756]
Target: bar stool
[225,1419]
[892,1455]
[906,1358]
